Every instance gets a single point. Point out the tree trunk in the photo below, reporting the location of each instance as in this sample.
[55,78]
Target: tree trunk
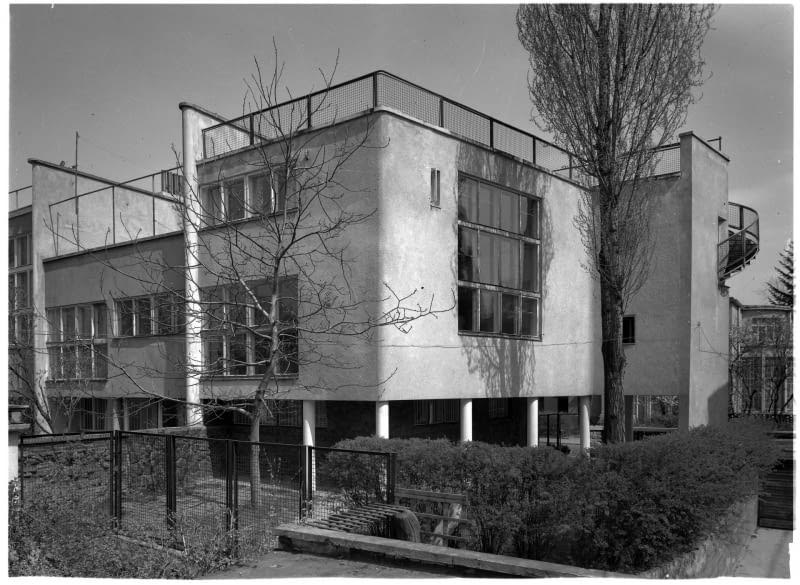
[613,366]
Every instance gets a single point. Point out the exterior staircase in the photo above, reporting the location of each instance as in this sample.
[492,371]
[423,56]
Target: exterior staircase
[742,243]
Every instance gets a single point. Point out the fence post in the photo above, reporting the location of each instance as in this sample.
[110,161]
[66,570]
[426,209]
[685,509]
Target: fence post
[391,479]
[117,485]
[21,467]
[558,430]
[228,486]
[169,463]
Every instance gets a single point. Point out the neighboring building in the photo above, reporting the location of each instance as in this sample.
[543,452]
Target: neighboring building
[761,357]
[455,205]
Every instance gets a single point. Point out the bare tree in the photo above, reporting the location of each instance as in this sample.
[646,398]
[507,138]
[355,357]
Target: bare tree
[281,285]
[612,83]
[760,367]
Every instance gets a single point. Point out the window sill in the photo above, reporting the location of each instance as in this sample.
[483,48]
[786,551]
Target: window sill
[235,222]
[73,380]
[255,377]
[499,335]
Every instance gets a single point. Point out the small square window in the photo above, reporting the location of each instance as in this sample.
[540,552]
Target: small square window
[435,187]
[628,329]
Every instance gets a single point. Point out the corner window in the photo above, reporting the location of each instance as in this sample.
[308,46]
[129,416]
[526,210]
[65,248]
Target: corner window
[161,314]
[499,269]
[629,329]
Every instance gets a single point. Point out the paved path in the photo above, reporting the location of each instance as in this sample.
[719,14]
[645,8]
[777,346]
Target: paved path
[280,563]
[767,555]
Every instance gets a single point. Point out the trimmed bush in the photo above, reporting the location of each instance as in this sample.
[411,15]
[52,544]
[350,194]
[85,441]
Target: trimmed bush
[629,507]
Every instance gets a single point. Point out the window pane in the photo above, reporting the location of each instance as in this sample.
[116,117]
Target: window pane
[468,200]
[23,297]
[143,318]
[69,362]
[530,217]
[212,308]
[529,324]
[488,212]
[237,363]
[260,195]
[509,211]
[11,253]
[125,317]
[12,292]
[213,354]
[210,202]
[53,325]
[288,300]
[100,362]
[530,267]
[24,329]
[68,322]
[264,296]
[509,323]
[164,315]
[508,261]
[54,355]
[238,299]
[262,352]
[23,258]
[100,320]
[466,309]
[84,360]
[285,189]
[467,254]
[288,348]
[85,322]
[234,194]
[489,313]
[488,265]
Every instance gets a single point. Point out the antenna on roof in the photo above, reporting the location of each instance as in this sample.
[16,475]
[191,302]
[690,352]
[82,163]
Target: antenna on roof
[77,231]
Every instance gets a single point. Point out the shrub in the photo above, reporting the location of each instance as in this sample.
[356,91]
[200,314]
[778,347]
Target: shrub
[629,507]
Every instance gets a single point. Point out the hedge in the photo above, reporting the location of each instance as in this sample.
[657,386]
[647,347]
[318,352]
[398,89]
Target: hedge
[628,507]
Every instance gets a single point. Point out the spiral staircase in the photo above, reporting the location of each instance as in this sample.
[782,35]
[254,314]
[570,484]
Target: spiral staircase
[741,245]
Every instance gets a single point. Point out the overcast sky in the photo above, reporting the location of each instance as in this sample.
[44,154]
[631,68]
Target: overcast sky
[116,75]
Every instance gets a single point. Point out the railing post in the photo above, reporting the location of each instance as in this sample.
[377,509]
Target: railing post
[113,216]
[252,131]
[117,496]
[308,111]
[491,133]
[569,159]
[169,463]
[441,113]
[533,139]
[375,89]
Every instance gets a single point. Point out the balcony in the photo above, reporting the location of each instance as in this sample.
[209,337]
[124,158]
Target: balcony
[741,245]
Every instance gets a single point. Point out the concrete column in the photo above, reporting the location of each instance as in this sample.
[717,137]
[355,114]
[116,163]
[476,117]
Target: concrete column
[192,151]
[309,422]
[466,420]
[628,417]
[382,419]
[533,422]
[583,417]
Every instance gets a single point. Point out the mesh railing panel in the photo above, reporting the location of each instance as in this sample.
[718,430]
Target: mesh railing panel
[513,142]
[341,102]
[282,121]
[409,99]
[466,123]
[226,137]
[553,158]
[667,160]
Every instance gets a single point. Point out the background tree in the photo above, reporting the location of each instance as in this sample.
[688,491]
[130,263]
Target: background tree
[612,83]
[781,288]
[760,367]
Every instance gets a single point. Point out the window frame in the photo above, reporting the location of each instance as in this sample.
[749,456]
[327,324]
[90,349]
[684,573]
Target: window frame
[501,280]
[67,349]
[279,196]
[629,336]
[436,411]
[154,328]
[219,331]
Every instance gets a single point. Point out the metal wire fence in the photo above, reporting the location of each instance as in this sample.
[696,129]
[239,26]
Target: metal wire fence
[174,490]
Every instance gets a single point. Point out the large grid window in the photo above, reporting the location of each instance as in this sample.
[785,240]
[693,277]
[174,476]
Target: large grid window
[247,196]
[237,334]
[161,314]
[287,413]
[20,291]
[77,342]
[499,275]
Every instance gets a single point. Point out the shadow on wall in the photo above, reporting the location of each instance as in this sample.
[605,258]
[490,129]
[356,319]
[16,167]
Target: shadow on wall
[506,366]
[718,406]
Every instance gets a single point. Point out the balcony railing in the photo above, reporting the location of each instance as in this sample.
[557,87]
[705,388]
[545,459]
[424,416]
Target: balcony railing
[120,212]
[382,89]
[742,243]
[19,198]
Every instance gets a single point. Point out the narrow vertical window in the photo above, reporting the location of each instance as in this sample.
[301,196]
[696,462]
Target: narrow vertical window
[629,329]
[435,187]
